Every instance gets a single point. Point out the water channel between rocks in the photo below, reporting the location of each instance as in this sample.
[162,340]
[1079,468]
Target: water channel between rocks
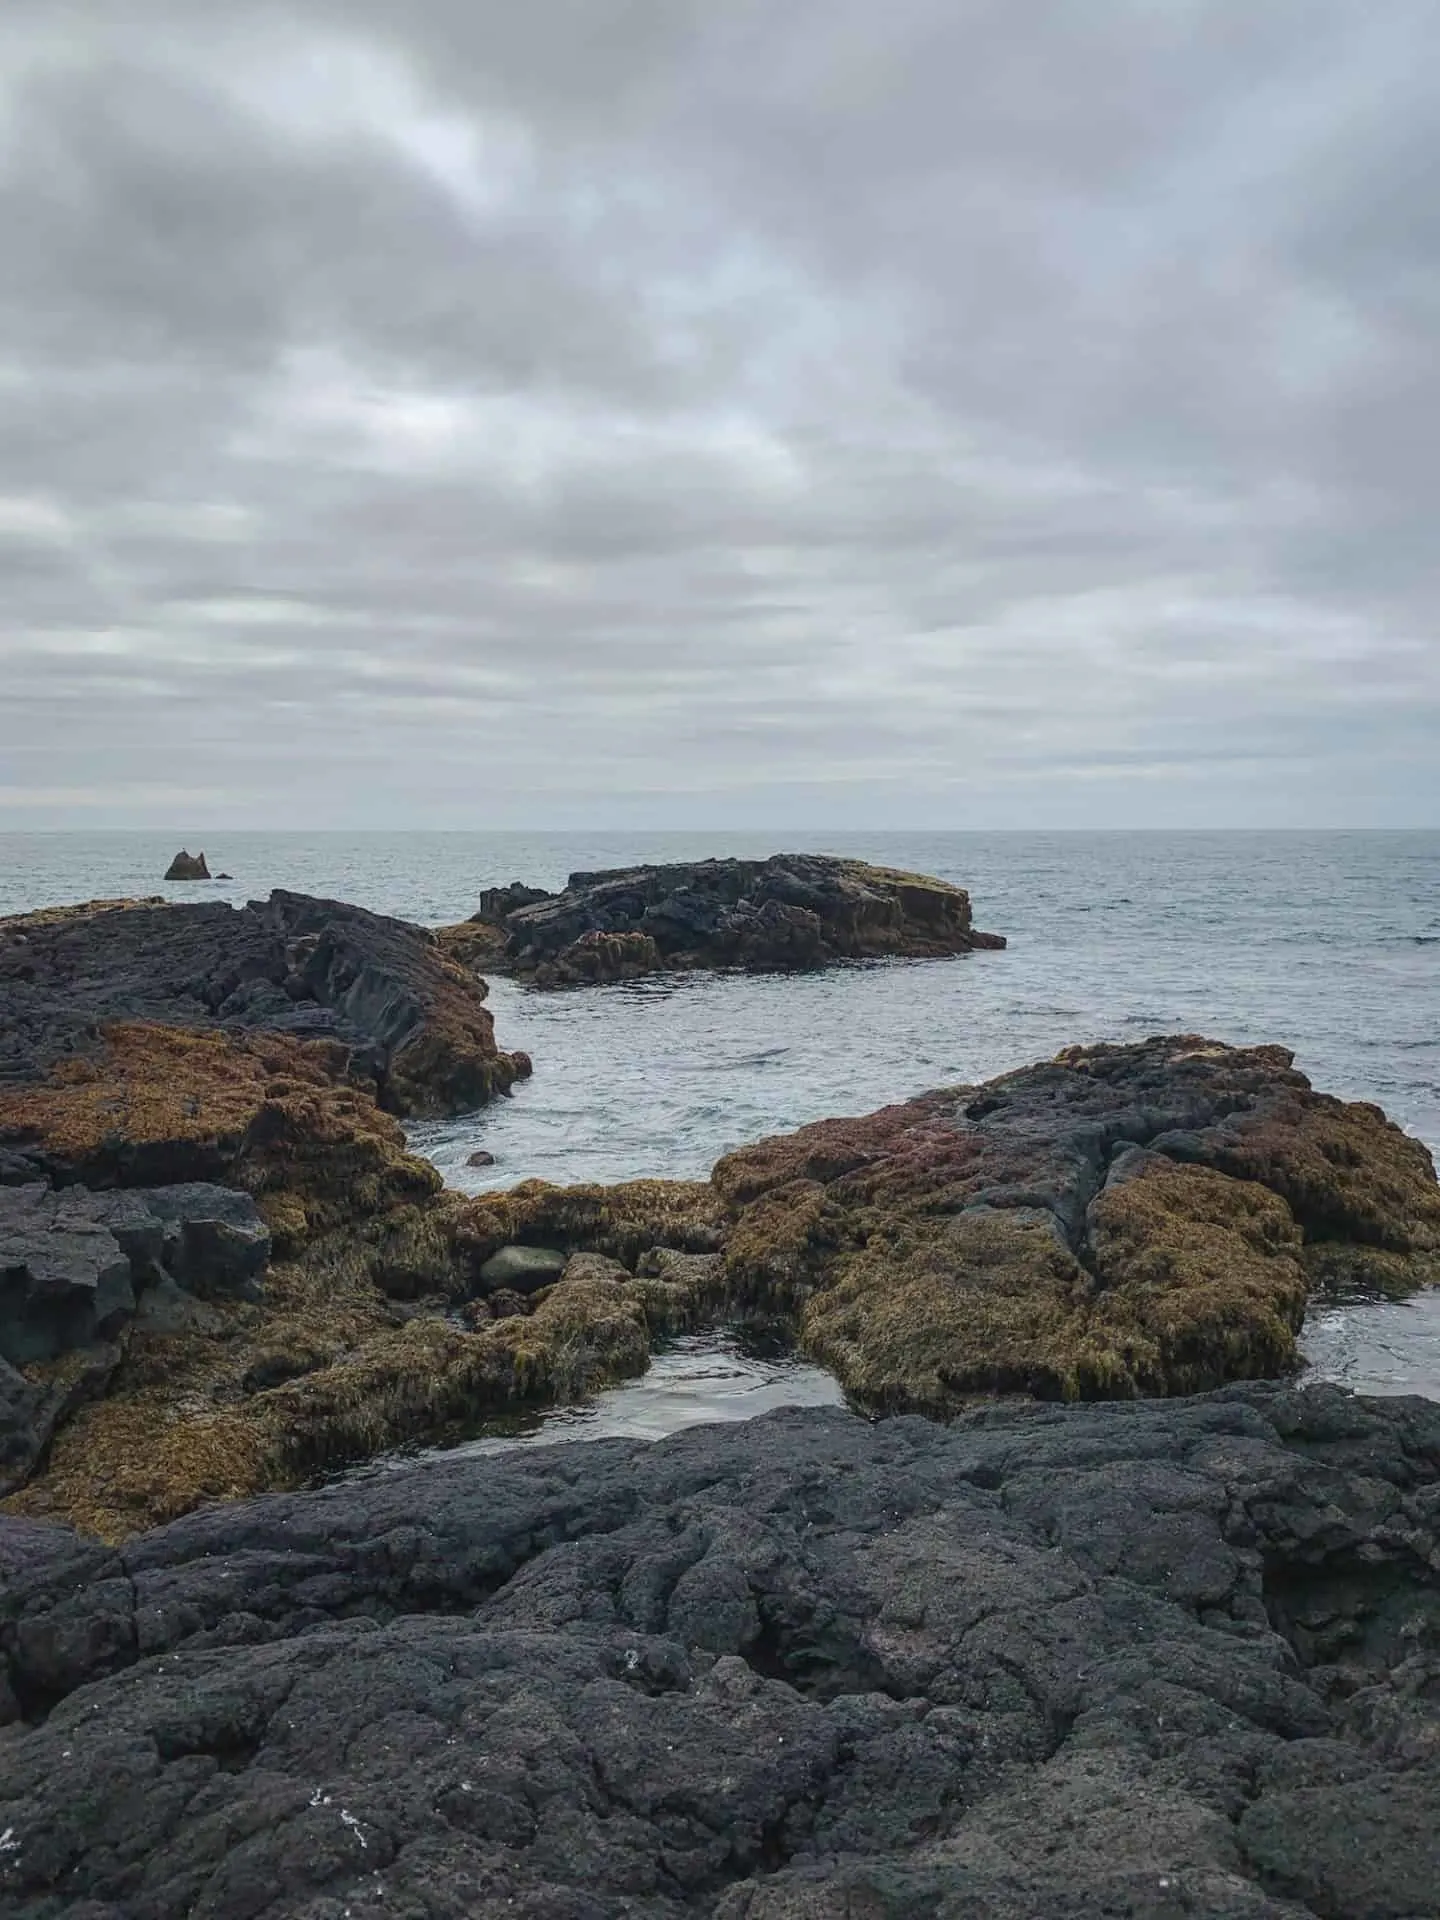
[727,1374]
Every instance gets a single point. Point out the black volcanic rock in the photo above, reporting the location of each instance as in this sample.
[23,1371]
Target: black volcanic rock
[187,866]
[1147,1660]
[75,1264]
[788,913]
[294,965]
[64,1279]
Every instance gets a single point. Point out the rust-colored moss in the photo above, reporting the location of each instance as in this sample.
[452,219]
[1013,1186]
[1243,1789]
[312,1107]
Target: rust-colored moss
[473,943]
[17,925]
[261,1111]
[622,1221]
[1203,1279]
[1356,1183]
[451,1061]
[921,1322]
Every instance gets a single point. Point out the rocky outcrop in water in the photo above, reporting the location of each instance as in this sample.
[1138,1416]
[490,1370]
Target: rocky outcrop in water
[187,866]
[1131,1220]
[215,1081]
[1151,1660]
[791,912]
[412,1023]
[1118,1222]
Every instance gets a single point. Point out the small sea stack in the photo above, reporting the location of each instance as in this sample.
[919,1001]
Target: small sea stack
[791,913]
[187,866]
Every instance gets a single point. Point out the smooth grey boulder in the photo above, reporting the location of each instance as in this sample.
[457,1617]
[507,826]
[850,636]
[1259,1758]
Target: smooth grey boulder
[522,1269]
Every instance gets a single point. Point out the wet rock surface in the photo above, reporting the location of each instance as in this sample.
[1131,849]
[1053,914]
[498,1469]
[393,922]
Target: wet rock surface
[793,911]
[1155,1659]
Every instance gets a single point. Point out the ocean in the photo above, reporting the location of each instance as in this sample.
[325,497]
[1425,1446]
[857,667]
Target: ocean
[1328,943]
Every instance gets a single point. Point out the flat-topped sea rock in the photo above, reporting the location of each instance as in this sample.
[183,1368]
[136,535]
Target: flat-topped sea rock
[788,913]
[1152,1660]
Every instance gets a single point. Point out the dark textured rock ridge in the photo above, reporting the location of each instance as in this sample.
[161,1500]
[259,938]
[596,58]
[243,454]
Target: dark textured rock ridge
[1151,1660]
[791,912]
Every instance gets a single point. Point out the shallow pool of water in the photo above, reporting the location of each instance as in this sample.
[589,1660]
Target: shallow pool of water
[723,1375]
[733,1374]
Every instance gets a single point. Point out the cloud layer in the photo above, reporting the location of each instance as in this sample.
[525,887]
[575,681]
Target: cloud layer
[941,414]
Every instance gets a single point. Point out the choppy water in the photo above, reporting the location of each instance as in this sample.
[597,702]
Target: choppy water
[1329,943]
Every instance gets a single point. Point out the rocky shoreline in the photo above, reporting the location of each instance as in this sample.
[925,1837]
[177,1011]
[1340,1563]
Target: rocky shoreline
[790,913]
[1151,1659]
[1140,1629]
[224,1273]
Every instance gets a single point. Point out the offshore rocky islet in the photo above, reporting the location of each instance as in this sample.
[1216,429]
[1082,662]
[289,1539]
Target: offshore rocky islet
[1155,1657]
[790,912]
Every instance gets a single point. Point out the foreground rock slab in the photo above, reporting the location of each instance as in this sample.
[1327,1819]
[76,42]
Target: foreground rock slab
[788,913]
[1149,1660]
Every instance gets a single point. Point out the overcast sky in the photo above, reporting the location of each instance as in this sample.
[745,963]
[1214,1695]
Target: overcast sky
[719,412]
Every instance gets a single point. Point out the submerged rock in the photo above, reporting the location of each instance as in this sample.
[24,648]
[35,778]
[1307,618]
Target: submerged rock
[791,912]
[187,866]
[1155,1660]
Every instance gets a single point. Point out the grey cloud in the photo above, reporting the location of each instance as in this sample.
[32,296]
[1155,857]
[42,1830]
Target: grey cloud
[830,407]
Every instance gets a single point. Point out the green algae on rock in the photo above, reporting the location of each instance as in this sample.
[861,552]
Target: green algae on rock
[1123,1220]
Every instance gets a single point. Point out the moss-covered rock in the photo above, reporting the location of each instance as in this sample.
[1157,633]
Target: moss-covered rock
[1122,1220]
[411,1020]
